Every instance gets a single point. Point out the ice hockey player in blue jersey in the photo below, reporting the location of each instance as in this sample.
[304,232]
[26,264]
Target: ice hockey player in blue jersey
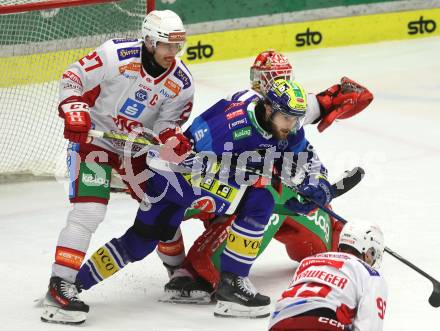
[235,129]
[193,281]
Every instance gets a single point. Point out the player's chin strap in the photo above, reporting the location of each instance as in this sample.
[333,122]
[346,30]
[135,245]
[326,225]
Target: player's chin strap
[434,299]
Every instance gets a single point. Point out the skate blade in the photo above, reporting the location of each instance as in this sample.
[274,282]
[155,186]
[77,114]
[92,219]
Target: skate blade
[231,309]
[196,297]
[57,315]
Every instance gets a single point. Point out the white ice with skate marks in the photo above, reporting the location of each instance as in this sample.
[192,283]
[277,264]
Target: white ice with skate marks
[395,140]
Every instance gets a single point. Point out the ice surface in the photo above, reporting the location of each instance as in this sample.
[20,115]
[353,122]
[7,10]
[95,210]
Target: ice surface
[396,140]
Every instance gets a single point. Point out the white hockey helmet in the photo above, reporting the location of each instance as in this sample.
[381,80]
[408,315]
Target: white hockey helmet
[268,66]
[164,26]
[368,240]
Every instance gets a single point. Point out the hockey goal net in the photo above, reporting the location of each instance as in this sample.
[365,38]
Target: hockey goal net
[38,40]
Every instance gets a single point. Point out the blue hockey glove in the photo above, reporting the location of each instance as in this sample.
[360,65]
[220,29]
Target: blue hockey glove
[317,189]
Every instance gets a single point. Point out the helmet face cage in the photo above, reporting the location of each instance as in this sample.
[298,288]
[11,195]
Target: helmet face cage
[263,79]
[268,66]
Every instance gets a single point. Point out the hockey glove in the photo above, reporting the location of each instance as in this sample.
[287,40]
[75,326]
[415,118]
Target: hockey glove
[77,121]
[317,189]
[342,101]
[176,145]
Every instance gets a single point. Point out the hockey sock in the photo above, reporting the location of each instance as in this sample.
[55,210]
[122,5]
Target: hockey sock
[103,263]
[246,233]
[241,250]
[114,256]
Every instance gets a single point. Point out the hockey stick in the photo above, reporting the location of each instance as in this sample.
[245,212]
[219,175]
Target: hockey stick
[350,179]
[123,137]
[434,299]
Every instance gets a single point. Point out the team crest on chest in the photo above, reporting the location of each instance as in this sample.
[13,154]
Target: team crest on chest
[141,95]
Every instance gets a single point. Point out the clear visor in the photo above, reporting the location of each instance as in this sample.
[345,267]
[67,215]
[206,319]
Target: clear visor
[373,257]
[176,48]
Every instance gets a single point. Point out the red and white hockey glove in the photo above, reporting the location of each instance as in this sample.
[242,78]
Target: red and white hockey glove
[342,101]
[176,145]
[77,122]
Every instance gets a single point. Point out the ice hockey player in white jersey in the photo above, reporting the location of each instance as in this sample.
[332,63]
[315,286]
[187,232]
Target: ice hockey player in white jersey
[123,85]
[337,290]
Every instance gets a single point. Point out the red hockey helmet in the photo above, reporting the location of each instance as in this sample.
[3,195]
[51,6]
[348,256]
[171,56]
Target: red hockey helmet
[267,66]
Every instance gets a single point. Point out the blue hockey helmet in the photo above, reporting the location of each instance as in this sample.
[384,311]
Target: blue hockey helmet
[288,97]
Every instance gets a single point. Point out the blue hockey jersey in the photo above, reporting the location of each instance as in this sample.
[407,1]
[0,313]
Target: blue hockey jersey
[235,123]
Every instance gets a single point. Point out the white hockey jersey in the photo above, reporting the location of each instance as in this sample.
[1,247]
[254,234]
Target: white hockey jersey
[122,96]
[340,282]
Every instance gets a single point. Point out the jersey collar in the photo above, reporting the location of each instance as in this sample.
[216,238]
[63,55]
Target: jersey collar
[161,77]
[251,112]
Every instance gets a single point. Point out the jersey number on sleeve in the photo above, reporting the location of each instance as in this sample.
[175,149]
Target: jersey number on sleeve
[91,62]
[382,306]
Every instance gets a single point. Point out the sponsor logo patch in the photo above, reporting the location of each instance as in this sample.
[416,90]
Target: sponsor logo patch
[183,77]
[126,125]
[129,52]
[134,66]
[176,37]
[69,257]
[166,94]
[243,245]
[94,180]
[124,40]
[73,77]
[234,114]
[172,86]
[70,86]
[206,204]
[234,105]
[145,87]
[242,133]
[104,262]
[239,122]
[132,108]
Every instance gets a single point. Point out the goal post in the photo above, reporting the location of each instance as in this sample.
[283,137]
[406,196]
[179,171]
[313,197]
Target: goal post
[14,7]
[38,40]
